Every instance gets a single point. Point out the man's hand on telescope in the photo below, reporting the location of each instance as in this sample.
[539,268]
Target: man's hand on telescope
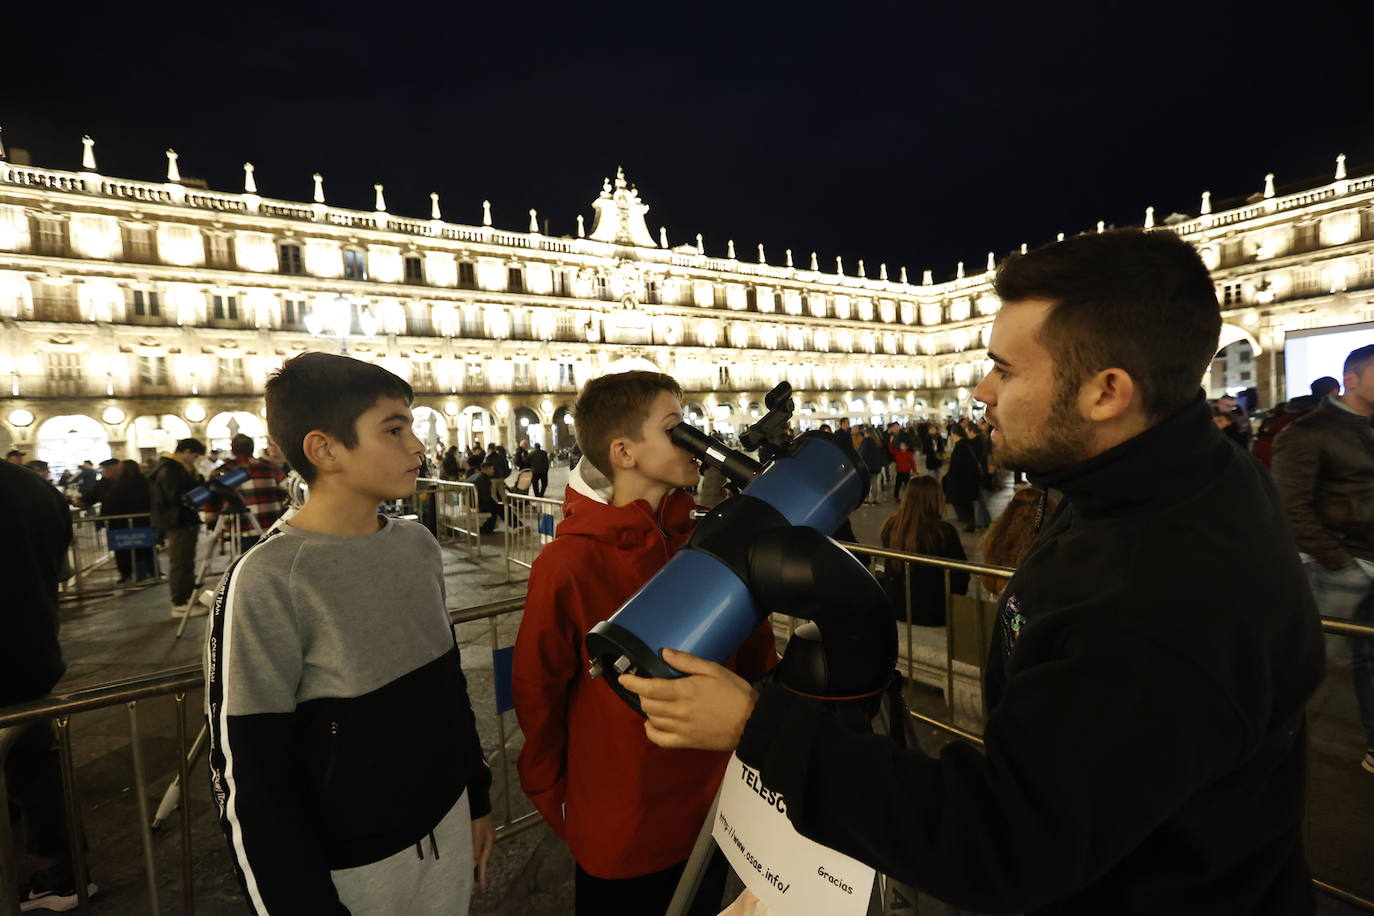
[705,710]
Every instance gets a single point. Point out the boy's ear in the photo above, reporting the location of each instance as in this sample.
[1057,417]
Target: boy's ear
[622,453]
[321,450]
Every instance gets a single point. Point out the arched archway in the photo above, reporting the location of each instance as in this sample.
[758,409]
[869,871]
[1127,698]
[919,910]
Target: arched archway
[563,433]
[149,435]
[1232,369]
[66,441]
[225,426]
[429,427]
[724,420]
[477,426]
[1231,333]
[527,426]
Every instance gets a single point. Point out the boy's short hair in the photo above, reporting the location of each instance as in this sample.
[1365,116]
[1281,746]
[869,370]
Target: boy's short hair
[613,406]
[325,392]
[190,445]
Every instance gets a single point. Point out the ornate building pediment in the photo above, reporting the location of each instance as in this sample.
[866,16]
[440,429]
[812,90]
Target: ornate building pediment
[620,215]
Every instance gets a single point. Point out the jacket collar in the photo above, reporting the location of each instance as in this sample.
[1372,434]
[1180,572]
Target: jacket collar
[1165,464]
[1333,407]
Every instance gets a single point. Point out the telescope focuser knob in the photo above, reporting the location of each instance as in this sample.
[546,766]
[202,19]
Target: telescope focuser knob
[594,671]
[622,664]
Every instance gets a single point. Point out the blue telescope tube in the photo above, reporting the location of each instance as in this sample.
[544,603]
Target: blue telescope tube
[700,602]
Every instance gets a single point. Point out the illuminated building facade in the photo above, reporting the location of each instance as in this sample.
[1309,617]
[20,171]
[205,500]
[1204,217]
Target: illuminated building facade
[136,312]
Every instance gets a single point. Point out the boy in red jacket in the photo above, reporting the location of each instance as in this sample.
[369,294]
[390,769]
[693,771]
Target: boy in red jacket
[630,811]
[906,464]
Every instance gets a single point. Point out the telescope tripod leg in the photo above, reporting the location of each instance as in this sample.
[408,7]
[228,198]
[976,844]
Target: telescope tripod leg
[202,568]
[702,853]
[172,797]
[235,550]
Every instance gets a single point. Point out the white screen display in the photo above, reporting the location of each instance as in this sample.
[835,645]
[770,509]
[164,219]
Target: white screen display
[1309,355]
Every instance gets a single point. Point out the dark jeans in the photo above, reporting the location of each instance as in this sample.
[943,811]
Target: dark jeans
[1349,594]
[648,894]
[540,483]
[490,524]
[33,773]
[181,562]
[901,481]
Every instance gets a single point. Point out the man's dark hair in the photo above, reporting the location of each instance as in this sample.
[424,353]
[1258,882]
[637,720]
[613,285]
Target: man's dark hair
[1325,385]
[241,444]
[613,406]
[192,445]
[325,392]
[1355,362]
[1129,299]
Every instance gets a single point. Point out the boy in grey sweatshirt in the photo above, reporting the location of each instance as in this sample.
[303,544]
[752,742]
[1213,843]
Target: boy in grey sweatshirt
[343,748]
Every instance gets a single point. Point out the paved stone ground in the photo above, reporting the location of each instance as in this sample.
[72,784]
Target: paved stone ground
[531,873]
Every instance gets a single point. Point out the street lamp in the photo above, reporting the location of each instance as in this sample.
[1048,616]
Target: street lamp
[334,318]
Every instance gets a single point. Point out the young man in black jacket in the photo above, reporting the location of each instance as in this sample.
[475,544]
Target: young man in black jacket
[1144,744]
[172,479]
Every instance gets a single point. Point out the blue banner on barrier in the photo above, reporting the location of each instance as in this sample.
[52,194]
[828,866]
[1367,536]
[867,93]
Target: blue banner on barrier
[501,663]
[546,528]
[130,538]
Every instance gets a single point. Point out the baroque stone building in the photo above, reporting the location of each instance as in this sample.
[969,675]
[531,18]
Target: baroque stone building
[136,312]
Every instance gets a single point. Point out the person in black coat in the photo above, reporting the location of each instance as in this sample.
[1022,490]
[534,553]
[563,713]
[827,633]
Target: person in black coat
[872,455]
[1145,748]
[450,468]
[34,542]
[963,478]
[539,464]
[132,494]
[486,501]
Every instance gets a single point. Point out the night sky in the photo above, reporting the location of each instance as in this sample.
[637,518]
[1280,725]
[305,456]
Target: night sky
[918,134]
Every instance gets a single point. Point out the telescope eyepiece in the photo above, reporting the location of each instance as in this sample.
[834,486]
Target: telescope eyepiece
[738,467]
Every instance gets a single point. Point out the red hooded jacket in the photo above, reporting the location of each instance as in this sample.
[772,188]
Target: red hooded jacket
[625,806]
[905,459]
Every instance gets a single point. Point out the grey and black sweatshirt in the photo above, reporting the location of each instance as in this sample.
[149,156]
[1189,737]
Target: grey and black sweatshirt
[340,727]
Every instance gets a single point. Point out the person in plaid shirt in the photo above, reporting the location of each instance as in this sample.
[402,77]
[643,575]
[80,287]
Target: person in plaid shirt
[262,492]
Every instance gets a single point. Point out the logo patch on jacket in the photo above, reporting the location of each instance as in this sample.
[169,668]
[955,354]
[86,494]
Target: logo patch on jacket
[1013,622]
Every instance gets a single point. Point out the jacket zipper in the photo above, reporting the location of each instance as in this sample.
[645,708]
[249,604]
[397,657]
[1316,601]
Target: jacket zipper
[333,754]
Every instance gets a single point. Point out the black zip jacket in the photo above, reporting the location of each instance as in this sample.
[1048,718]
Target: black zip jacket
[1144,746]
[33,548]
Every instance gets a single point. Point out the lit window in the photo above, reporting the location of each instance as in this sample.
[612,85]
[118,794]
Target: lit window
[290,259]
[355,265]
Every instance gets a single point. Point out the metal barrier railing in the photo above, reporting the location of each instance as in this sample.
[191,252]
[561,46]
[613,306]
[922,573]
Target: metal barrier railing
[456,517]
[530,523]
[180,682]
[94,567]
[177,683]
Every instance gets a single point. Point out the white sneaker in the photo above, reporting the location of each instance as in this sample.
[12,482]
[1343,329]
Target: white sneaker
[179,610]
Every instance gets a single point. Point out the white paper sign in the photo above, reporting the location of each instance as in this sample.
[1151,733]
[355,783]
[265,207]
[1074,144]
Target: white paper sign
[791,875]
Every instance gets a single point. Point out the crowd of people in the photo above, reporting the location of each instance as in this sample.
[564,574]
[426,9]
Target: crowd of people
[1119,659]
[121,495]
